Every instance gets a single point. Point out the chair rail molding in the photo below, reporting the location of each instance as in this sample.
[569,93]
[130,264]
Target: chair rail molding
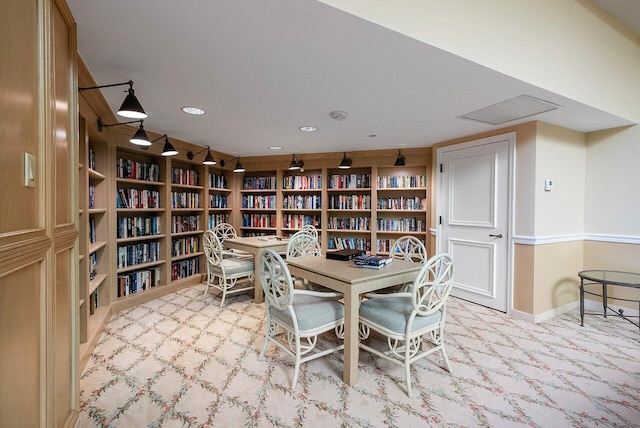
[554,239]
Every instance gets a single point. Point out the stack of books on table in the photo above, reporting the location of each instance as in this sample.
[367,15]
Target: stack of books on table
[370,262]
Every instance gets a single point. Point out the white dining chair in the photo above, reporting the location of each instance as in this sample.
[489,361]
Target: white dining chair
[295,318]
[226,272]
[413,322]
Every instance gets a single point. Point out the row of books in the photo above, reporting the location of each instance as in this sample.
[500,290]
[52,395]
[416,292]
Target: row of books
[384,245]
[137,198]
[187,177]
[349,223]
[131,255]
[215,219]
[218,181]
[184,246]
[299,220]
[218,201]
[93,265]
[350,202]
[350,181]
[259,201]
[131,227]
[184,268]
[92,159]
[370,262]
[400,203]
[401,182]
[127,168]
[92,230]
[406,224]
[185,200]
[259,183]
[258,220]
[302,202]
[338,243]
[92,197]
[132,282]
[185,223]
[302,182]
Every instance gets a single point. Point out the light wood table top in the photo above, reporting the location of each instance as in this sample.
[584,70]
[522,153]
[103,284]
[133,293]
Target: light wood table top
[352,282]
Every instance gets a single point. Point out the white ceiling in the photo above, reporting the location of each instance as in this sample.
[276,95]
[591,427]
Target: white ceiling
[261,69]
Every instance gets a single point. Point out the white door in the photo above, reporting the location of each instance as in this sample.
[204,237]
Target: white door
[474,215]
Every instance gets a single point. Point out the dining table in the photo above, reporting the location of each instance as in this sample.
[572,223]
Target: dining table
[257,245]
[352,282]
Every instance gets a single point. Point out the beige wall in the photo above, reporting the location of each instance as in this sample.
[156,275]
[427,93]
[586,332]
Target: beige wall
[612,204]
[556,268]
[560,156]
[541,42]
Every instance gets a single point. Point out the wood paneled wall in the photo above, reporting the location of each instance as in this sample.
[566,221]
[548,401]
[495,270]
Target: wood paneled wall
[38,225]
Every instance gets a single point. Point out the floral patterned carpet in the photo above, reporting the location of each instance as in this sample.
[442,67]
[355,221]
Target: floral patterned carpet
[180,362]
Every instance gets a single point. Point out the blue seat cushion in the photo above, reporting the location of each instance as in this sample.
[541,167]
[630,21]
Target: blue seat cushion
[312,312]
[236,265]
[393,314]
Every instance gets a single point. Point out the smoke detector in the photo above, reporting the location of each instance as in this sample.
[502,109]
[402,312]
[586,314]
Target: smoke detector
[338,115]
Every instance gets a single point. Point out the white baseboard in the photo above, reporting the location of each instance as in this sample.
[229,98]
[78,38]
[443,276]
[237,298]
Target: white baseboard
[545,315]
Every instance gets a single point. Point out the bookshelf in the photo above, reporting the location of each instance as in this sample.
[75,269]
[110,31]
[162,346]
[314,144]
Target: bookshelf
[187,219]
[140,200]
[301,200]
[259,204]
[349,209]
[219,201]
[401,198]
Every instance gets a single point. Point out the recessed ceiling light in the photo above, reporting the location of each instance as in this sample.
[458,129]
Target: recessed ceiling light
[275,147]
[308,128]
[193,110]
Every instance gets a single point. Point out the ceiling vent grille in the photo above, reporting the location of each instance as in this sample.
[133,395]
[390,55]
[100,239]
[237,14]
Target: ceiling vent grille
[510,110]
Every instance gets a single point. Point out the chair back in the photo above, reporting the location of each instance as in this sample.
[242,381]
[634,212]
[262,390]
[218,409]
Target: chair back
[212,248]
[276,280]
[409,248]
[303,244]
[433,285]
[224,231]
[311,229]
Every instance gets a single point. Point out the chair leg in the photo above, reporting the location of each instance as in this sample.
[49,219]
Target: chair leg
[270,329]
[296,370]
[407,370]
[206,290]
[444,355]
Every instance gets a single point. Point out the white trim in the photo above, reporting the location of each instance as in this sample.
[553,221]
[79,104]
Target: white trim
[554,239]
[548,314]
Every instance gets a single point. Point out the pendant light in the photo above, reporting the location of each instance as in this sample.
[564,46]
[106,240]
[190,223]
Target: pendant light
[295,163]
[239,167]
[346,162]
[208,159]
[399,160]
[131,107]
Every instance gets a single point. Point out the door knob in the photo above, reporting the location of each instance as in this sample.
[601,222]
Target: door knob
[495,236]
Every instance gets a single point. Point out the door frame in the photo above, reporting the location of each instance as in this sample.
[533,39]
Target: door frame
[511,138]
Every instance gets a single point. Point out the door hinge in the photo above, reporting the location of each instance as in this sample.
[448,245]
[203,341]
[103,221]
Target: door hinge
[440,220]
[441,169]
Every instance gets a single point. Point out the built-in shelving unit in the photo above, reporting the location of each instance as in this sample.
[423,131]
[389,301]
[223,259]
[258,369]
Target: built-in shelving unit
[219,203]
[301,200]
[259,204]
[139,201]
[349,209]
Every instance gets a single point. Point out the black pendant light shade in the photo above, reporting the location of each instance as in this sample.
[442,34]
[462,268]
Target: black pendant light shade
[295,163]
[131,107]
[239,167]
[399,160]
[140,138]
[345,163]
[208,159]
[168,149]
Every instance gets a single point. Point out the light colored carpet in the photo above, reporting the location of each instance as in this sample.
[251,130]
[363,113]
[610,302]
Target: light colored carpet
[180,362]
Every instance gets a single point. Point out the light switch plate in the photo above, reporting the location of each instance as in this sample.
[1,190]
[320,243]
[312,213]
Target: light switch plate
[548,185]
[29,170]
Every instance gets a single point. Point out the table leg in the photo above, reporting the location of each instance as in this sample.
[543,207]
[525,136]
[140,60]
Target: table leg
[258,294]
[581,302]
[604,298]
[351,349]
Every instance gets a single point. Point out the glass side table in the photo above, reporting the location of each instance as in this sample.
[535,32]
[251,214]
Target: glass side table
[606,278]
